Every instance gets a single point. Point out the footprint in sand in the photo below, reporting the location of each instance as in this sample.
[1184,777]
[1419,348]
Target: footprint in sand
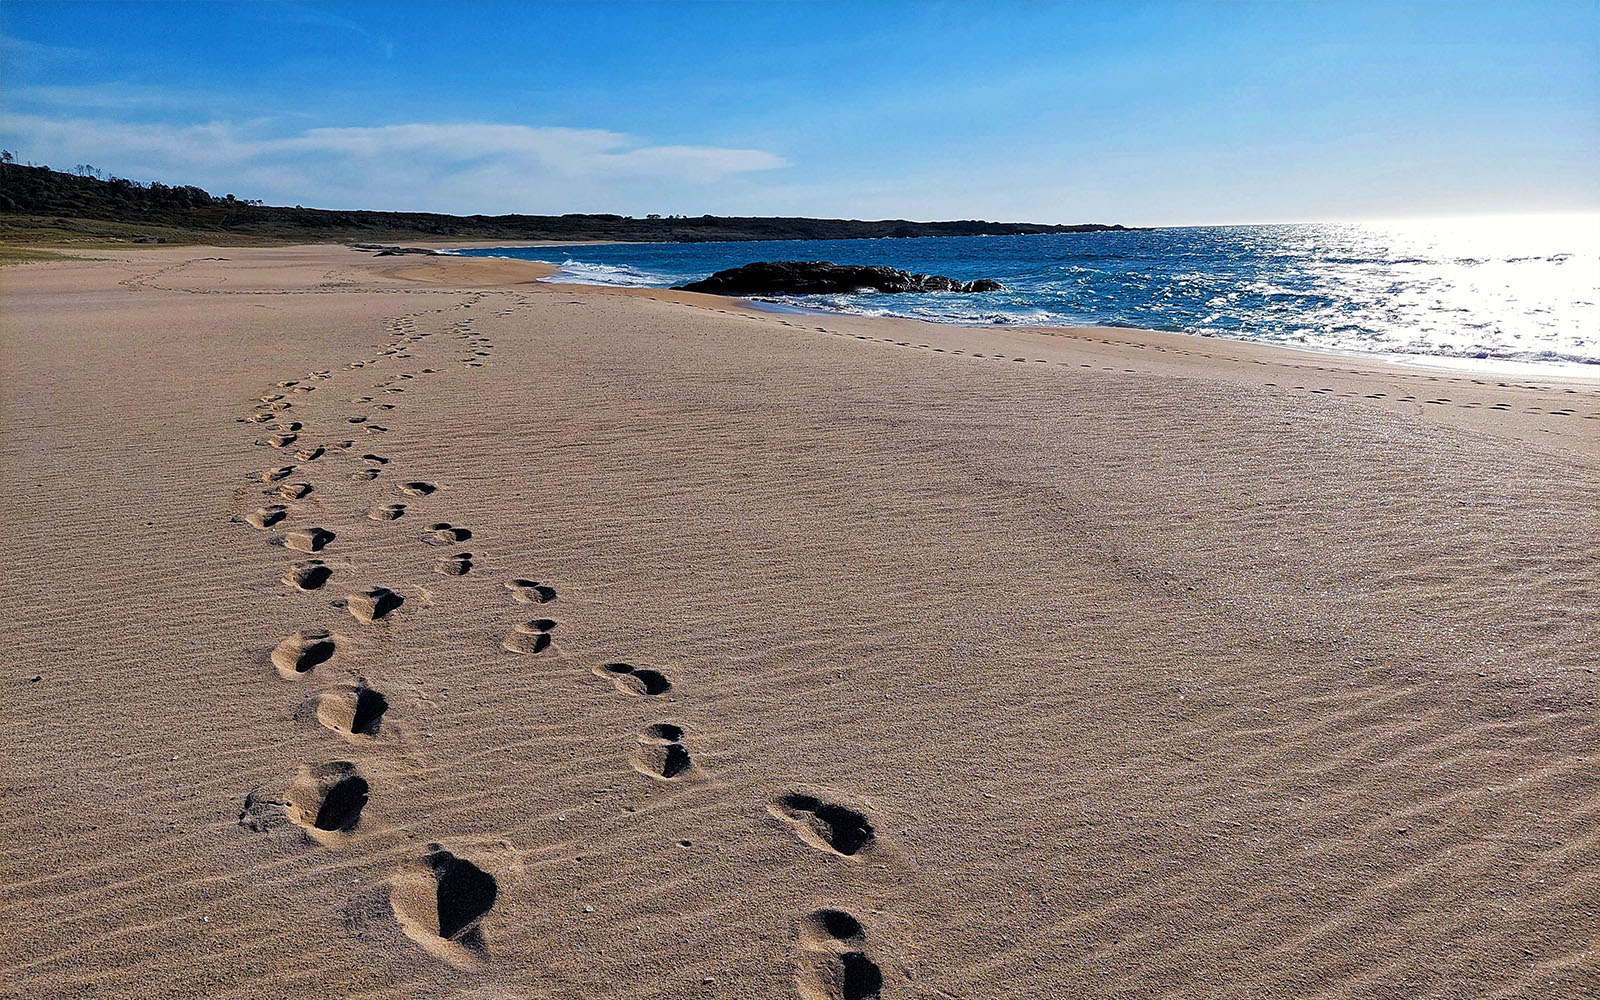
[303,652]
[444,533]
[660,753]
[441,901]
[266,517]
[640,682]
[828,827]
[364,475]
[459,564]
[294,491]
[352,709]
[308,575]
[278,441]
[416,489]
[529,637]
[273,475]
[327,800]
[310,454]
[379,459]
[833,961]
[388,512]
[311,539]
[373,604]
[530,592]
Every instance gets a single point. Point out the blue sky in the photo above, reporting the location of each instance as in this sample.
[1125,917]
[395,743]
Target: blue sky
[1181,113]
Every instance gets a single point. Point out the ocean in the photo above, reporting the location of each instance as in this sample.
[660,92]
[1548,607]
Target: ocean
[1524,289]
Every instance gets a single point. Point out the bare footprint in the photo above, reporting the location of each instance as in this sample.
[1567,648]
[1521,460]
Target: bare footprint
[266,517]
[660,753]
[441,901]
[529,637]
[294,491]
[303,652]
[308,575]
[352,709]
[833,961]
[373,604]
[444,533]
[273,475]
[638,681]
[364,475]
[388,512]
[459,564]
[530,592]
[828,827]
[327,800]
[311,539]
[416,489]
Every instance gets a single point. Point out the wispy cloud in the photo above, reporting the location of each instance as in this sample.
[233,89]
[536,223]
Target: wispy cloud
[21,59]
[450,166]
[287,12]
[119,98]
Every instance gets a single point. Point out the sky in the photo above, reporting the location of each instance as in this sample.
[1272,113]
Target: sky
[1186,113]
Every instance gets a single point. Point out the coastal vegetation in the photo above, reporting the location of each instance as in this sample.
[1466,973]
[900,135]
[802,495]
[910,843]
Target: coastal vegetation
[41,205]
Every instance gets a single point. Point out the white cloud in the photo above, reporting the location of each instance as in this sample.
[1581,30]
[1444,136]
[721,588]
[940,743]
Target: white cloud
[456,167]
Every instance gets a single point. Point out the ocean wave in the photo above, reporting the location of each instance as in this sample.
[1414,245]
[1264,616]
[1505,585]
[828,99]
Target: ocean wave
[579,272]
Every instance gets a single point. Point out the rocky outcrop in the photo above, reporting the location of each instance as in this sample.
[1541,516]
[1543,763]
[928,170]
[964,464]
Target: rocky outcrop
[379,250]
[816,277]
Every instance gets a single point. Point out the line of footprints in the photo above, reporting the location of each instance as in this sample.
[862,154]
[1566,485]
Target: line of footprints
[1411,378]
[441,899]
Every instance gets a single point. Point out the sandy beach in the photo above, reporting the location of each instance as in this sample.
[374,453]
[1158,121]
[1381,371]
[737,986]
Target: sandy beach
[408,627]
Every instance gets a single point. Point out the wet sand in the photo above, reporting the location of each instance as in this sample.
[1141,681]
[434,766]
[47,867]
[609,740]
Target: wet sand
[408,627]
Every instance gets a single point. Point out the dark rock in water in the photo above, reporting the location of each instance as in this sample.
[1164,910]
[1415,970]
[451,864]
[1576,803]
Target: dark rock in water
[816,277]
[389,251]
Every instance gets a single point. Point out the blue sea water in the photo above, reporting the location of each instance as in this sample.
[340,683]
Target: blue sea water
[1515,289]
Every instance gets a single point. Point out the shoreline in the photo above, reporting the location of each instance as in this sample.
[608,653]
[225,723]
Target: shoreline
[1510,367]
[1581,371]
[1539,406]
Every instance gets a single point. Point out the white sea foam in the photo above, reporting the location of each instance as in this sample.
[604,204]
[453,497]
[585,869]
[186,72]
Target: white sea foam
[578,272]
